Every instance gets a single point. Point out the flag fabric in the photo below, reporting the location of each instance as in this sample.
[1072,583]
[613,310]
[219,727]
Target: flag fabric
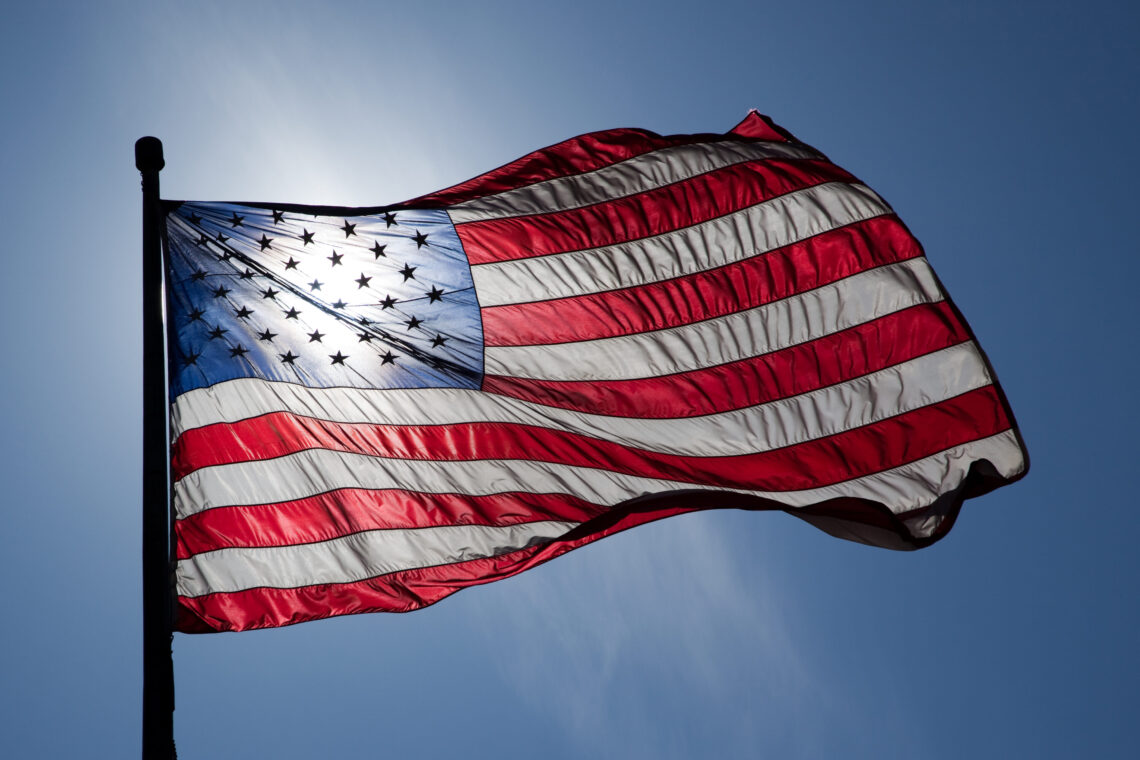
[372,408]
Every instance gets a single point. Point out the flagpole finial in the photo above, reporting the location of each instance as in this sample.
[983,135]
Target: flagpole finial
[148,154]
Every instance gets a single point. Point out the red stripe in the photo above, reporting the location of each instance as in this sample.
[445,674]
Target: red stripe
[860,350]
[577,155]
[735,287]
[396,592]
[757,125]
[351,510]
[853,453]
[653,212]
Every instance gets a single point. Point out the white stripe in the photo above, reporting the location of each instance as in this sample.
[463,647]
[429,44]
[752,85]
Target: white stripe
[826,411]
[712,342]
[355,557]
[905,488]
[634,175]
[749,232]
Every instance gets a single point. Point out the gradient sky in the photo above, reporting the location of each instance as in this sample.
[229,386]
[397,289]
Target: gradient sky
[1002,132]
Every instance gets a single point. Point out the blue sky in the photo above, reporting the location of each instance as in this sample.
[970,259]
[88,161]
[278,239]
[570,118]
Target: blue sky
[1003,134]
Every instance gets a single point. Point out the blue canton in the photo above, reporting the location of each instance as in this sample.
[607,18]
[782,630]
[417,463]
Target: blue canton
[375,300]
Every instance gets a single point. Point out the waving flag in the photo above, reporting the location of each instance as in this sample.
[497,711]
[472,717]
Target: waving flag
[375,407]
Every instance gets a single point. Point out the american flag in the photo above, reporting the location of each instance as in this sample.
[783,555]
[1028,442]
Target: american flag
[373,408]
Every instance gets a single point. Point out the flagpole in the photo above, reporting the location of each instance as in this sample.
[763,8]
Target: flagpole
[158,663]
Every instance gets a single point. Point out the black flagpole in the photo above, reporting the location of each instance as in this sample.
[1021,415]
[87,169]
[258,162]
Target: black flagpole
[158,663]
